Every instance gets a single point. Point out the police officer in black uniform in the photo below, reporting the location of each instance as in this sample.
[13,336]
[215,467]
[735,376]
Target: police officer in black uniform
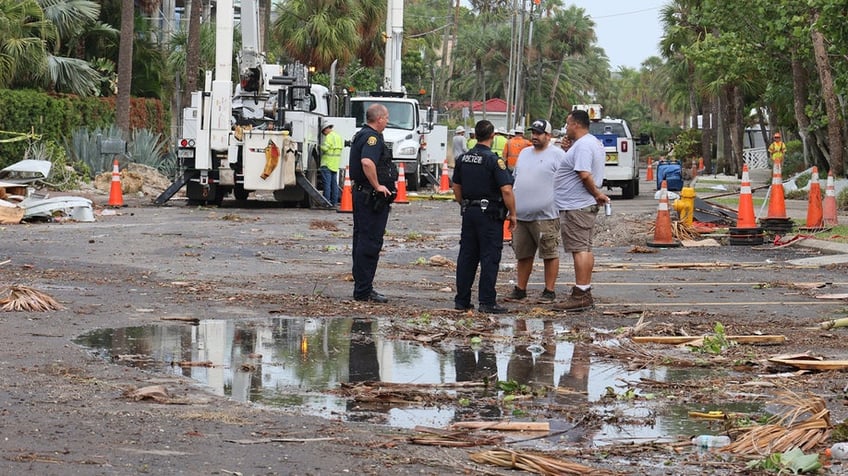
[374,176]
[483,187]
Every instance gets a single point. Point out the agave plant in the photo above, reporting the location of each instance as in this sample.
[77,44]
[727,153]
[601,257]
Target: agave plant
[85,147]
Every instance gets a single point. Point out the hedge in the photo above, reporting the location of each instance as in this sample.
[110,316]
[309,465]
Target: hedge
[55,116]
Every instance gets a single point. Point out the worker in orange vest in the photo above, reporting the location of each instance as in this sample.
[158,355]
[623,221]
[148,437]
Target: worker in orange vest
[513,148]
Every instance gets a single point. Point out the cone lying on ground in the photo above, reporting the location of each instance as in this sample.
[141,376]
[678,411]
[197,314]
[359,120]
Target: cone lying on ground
[829,207]
[401,186]
[814,208]
[777,202]
[444,184]
[346,205]
[650,175]
[662,231]
[116,194]
[745,216]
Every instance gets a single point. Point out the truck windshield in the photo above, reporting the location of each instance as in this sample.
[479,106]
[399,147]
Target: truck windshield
[604,128]
[401,114]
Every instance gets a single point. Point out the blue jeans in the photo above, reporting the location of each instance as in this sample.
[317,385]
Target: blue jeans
[331,185]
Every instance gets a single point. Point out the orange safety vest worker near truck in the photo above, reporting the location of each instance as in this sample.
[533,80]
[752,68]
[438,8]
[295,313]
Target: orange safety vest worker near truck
[513,148]
[777,149]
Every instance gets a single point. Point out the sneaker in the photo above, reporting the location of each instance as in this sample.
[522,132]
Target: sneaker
[463,307]
[579,300]
[517,294]
[493,309]
[373,296]
[547,296]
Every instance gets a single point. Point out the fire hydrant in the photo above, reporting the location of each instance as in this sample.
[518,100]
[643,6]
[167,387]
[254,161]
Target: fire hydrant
[685,206]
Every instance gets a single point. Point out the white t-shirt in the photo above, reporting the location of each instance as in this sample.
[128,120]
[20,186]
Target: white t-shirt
[534,183]
[585,155]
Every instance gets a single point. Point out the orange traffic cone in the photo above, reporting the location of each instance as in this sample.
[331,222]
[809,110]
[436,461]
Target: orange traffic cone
[346,205]
[662,231]
[650,175]
[745,216]
[700,165]
[829,208]
[401,186]
[444,185]
[116,194]
[814,208]
[777,202]
[507,234]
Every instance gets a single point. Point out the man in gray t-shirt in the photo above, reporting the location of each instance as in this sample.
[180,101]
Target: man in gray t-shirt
[578,198]
[538,227]
[460,145]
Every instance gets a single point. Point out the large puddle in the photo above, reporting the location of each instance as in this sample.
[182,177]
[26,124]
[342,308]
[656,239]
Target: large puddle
[302,364]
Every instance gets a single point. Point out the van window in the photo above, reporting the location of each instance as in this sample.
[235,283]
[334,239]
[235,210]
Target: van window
[602,128]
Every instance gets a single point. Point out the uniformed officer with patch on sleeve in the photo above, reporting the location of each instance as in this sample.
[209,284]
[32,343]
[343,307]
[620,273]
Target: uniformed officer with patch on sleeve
[374,176]
[483,187]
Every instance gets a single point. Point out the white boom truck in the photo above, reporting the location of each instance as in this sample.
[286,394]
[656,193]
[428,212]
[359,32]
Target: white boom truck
[622,156]
[264,135]
[415,141]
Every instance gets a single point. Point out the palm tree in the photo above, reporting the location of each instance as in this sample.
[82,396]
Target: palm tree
[573,33]
[318,33]
[122,106]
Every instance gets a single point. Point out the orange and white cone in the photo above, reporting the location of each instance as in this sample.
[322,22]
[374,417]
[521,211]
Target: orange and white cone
[444,184]
[401,186]
[814,208]
[777,201]
[745,215]
[116,194]
[346,205]
[650,175]
[662,231]
[829,207]
[507,234]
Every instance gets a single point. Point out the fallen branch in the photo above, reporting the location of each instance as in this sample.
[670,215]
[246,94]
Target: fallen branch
[503,425]
[675,340]
[536,463]
[278,440]
[834,323]
[22,298]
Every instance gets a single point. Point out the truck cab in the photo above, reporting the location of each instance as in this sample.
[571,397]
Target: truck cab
[622,155]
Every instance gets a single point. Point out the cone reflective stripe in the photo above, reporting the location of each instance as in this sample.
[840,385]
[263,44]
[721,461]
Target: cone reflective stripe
[814,208]
[745,216]
[650,175]
[346,205]
[777,202]
[829,207]
[401,186]
[662,231]
[116,194]
[444,184]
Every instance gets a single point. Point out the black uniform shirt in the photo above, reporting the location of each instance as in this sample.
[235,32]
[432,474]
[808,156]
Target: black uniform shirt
[369,143]
[481,174]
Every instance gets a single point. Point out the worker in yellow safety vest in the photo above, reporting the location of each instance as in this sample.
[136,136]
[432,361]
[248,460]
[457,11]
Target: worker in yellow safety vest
[777,149]
[499,142]
[514,146]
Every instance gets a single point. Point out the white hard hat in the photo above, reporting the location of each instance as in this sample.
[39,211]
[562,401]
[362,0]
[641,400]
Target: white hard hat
[460,129]
[500,130]
[517,131]
[327,125]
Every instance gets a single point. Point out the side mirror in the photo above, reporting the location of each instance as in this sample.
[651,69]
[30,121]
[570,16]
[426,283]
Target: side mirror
[644,139]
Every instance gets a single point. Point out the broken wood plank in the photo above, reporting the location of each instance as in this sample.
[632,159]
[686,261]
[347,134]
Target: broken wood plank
[813,364]
[192,320]
[277,440]
[741,339]
[832,296]
[504,425]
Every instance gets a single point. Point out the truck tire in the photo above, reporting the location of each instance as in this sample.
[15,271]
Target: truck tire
[627,191]
[636,186]
[413,176]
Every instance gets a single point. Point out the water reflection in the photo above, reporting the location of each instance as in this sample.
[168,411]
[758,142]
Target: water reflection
[297,362]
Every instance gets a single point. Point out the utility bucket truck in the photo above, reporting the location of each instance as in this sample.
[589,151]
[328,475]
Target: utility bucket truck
[411,134]
[622,156]
[263,135]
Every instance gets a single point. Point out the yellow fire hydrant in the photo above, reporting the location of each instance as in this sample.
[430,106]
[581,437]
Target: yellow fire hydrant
[685,206]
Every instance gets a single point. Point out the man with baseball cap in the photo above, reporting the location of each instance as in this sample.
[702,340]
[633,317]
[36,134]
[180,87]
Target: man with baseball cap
[538,226]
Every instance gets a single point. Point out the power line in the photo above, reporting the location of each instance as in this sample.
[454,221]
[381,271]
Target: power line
[626,13]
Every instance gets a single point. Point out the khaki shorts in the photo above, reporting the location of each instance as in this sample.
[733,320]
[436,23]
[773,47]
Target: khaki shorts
[578,227]
[541,235]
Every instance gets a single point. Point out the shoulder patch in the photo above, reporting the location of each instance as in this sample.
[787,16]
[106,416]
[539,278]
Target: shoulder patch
[372,140]
[501,164]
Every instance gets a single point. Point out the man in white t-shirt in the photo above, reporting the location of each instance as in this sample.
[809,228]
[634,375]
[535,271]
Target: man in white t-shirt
[578,198]
[538,227]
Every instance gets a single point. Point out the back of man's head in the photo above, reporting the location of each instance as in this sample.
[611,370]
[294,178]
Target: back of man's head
[580,117]
[484,130]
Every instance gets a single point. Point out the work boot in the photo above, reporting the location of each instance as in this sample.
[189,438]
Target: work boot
[579,300]
[517,294]
[493,309]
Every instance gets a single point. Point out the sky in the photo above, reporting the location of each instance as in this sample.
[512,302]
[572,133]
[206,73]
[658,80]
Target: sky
[629,31]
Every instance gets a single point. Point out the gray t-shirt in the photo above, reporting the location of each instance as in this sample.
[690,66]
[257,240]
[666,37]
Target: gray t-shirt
[460,146]
[534,183]
[585,155]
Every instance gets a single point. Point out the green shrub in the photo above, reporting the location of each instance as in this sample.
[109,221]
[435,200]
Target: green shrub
[84,148]
[64,174]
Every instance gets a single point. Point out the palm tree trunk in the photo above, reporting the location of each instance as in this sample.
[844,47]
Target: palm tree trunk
[554,88]
[193,47]
[834,134]
[799,101]
[125,54]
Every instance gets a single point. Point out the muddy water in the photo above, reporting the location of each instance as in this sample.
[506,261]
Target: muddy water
[300,363]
